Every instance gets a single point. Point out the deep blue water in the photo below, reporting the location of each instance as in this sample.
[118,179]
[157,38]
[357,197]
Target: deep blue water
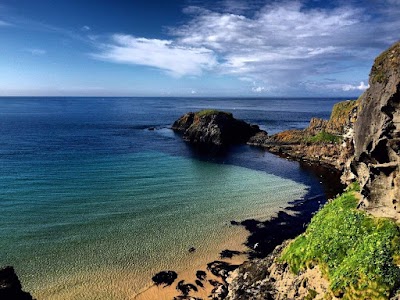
[86,188]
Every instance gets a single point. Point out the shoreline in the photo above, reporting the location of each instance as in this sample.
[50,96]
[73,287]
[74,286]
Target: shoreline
[262,236]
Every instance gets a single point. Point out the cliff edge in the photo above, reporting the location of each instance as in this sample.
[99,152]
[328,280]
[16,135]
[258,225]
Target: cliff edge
[377,137]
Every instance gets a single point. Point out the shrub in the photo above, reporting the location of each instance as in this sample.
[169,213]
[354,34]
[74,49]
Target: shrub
[324,137]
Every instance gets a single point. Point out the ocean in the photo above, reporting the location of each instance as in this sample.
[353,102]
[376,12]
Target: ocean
[93,202]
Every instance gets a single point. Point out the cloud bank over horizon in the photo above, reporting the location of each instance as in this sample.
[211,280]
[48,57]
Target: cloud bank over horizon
[281,46]
[227,47]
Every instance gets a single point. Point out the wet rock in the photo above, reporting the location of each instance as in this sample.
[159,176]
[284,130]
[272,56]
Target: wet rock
[165,277]
[220,290]
[186,298]
[229,253]
[186,288]
[199,283]
[201,275]
[221,268]
[10,286]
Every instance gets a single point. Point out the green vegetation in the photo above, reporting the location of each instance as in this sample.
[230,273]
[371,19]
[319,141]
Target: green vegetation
[311,295]
[207,112]
[340,111]
[357,253]
[324,137]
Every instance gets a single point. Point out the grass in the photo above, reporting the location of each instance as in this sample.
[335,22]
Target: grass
[324,137]
[356,252]
[206,112]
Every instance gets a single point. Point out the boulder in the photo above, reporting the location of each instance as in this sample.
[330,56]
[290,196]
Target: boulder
[10,286]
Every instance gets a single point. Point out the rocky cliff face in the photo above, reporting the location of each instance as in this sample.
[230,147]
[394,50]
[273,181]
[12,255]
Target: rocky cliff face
[214,128]
[270,279]
[10,286]
[327,142]
[377,137]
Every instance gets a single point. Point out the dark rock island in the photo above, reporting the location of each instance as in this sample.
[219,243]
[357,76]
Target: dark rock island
[213,128]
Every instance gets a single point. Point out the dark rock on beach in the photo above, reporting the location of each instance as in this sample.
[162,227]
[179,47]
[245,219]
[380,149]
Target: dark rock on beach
[185,288]
[214,128]
[199,283]
[201,275]
[229,253]
[221,268]
[10,286]
[165,277]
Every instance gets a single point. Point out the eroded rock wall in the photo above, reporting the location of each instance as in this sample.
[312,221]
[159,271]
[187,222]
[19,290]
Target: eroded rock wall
[377,137]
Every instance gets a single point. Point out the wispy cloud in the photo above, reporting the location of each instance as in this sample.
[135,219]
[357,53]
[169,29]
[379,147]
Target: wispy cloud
[36,51]
[85,28]
[177,60]
[4,23]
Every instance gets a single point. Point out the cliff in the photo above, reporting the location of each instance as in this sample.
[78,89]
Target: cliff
[345,253]
[327,142]
[214,128]
[377,137]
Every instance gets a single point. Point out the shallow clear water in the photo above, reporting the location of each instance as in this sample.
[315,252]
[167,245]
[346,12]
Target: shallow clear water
[93,202]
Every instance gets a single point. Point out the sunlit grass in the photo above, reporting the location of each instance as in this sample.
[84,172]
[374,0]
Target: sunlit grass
[355,251]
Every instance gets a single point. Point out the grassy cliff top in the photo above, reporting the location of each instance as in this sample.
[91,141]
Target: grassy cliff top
[387,60]
[208,112]
[359,254]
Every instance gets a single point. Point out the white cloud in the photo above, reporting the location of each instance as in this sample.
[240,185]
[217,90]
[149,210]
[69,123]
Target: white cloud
[286,43]
[176,59]
[258,89]
[193,92]
[85,28]
[360,87]
[285,46]
[36,51]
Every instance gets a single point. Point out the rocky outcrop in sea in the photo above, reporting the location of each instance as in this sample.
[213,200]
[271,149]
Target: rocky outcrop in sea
[214,128]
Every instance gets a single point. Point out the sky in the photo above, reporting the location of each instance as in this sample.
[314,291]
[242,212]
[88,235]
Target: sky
[192,48]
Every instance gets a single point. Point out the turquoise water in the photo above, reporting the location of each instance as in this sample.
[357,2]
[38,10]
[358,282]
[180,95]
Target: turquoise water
[93,203]
[118,212]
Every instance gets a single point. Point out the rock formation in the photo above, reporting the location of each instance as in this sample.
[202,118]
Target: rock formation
[369,153]
[214,128]
[10,286]
[269,279]
[327,142]
[377,137]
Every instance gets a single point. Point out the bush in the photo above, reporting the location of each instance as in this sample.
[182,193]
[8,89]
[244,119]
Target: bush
[324,137]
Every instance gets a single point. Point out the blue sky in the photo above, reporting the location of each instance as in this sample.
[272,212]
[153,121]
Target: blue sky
[192,47]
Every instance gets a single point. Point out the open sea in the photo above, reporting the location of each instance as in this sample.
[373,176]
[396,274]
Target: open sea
[93,203]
